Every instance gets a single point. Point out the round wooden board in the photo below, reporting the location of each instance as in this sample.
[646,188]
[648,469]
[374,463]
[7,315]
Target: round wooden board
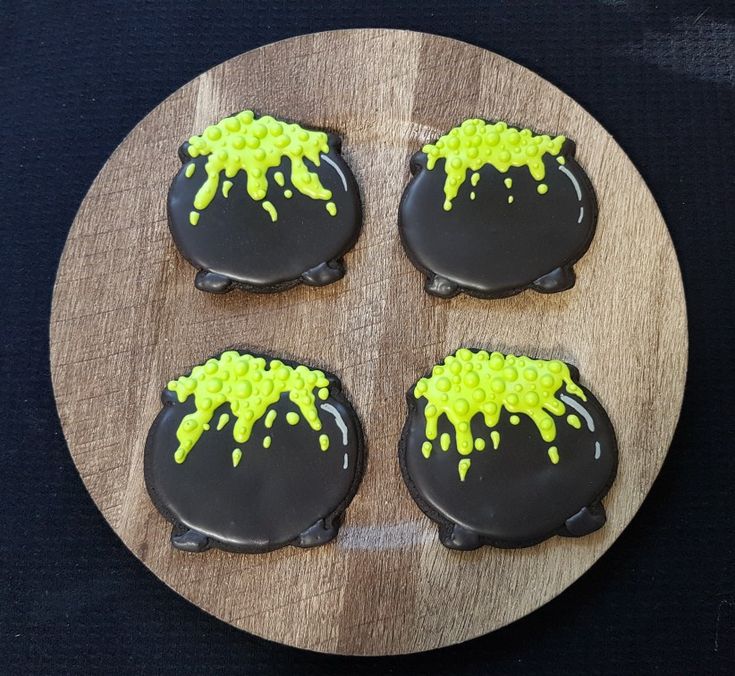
[126,317]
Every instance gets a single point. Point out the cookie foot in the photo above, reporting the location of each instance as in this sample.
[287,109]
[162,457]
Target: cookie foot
[557,280]
[458,537]
[441,287]
[587,520]
[211,282]
[323,274]
[317,534]
[189,540]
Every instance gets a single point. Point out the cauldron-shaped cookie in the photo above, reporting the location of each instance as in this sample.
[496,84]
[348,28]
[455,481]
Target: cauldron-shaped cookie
[263,205]
[492,210]
[251,453]
[506,451]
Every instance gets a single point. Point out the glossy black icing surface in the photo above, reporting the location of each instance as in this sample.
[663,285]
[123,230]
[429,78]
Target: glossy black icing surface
[290,493]
[513,496]
[491,248]
[236,238]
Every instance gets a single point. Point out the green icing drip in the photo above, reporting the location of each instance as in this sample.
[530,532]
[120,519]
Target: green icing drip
[574,421]
[236,457]
[463,467]
[278,178]
[267,441]
[255,145]
[332,208]
[554,454]
[426,449]
[250,385]
[190,169]
[226,187]
[475,143]
[445,441]
[223,420]
[323,442]
[478,383]
[270,418]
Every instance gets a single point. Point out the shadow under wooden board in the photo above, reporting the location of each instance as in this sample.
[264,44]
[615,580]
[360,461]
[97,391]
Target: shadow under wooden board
[126,318]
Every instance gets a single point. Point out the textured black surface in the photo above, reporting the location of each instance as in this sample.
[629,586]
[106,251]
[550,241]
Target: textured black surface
[77,78]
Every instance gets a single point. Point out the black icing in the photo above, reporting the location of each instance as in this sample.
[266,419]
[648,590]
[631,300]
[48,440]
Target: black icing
[291,493]
[236,239]
[489,248]
[513,496]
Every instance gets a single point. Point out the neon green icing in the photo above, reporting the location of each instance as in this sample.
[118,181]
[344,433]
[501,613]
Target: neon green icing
[223,420]
[445,441]
[278,178]
[236,457]
[190,169]
[331,208]
[267,441]
[323,393]
[324,442]
[475,179]
[476,143]
[292,418]
[510,199]
[463,467]
[508,183]
[271,210]
[255,145]
[250,385]
[426,449]
[270,418]
[554,454]
[288,194]
[561,159]
[574,421]
[470,383]
[472,195]
[495,438]
[226,187]
[515,420]
[479,444]
[542,188]
[193,217]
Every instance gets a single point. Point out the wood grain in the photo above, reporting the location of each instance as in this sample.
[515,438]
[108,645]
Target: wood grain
[126,317]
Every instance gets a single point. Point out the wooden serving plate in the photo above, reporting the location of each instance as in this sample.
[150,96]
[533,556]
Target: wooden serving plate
[126,317]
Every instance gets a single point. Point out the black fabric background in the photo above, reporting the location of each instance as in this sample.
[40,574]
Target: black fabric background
[77,77]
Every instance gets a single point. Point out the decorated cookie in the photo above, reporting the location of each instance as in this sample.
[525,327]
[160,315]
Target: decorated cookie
[251,453]
[506,451]
[264,205]
[492,210]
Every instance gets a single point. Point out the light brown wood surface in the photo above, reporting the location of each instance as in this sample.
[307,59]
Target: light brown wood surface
[126,317]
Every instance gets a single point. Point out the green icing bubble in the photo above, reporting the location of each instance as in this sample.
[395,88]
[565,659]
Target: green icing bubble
[471,383]
[250,385]
[476,143]
[254,145]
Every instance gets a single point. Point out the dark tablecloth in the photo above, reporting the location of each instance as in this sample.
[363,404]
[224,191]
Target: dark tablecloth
[76,77]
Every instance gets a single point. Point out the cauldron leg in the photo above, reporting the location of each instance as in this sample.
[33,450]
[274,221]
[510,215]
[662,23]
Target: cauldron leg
[441,286]
[317,534]
[324,273]
[211,282]
[455,536]
[587,520]
[189,540]
[557,280]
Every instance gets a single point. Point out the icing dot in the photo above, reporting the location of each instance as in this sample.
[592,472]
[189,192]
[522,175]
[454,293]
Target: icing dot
[495,438]
[445,441]
[267,441]
[510,199]
[542,188]
[479,444]
[193,217]
[288,194]
[574,421]
[426,449]
[323,393]
[463,467]
[554,454]
[514,420]
[331,208]
[323,442]
[236,457]
[226,186]
[189,171]
[292,418]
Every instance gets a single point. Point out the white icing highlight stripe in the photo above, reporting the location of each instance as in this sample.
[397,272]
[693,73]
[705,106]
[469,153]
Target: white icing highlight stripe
[337,169]
[338,419]
[573,180]
[580,409]
[347,461]
[581,214]
[598,450]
